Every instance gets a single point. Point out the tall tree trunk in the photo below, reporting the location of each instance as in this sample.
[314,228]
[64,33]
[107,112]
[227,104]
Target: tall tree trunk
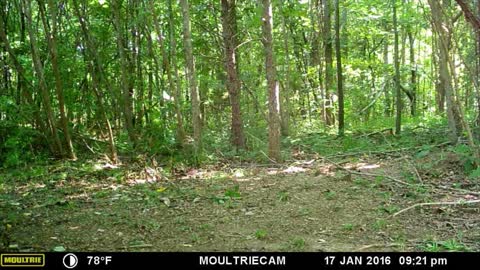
[443,30]
[174,82]
[37,63]
[272,84]
[52,44]
[439,86]
[285,107]
[478,67]
[192,80]
[398,102]
[233,83]
[386,76]
[96,71]
[328,43]
[474,20]
[38,121]
[413,74]
[125,79]
[137,38]
[338,51]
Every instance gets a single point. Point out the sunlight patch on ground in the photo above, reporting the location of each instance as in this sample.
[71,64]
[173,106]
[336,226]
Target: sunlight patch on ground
[367,166]
[294,169]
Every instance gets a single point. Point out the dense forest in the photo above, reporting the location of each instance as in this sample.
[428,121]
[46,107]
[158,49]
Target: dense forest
[234,125]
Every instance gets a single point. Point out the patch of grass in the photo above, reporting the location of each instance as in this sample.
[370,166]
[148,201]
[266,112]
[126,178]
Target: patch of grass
[415,192]
[400,239]
[453,245]
[283,196]
[348,227]
[153,226]
[430,246]
[434,245]
[410,177]
[330,195]
[361,182]
[304,211]
[386,195]
[230,204]
[194,237]
[379,224]
[378,181]
[389,209]
[228,197]
[307,186]
[206,227]
[180,220]
[298,243]
[185,228]
[101,194]
[233,192]
[261,234]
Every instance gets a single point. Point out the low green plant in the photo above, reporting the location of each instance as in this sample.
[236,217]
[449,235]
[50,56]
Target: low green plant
[432,245]
[298,243]
[347,227]
[283,196]
[261,234]
[330,195]
[379,224]
[390,209]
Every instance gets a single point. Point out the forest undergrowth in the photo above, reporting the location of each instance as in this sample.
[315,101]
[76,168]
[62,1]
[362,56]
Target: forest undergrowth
[367,191]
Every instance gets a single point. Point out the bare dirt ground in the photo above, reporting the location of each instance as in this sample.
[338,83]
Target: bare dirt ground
[307,205]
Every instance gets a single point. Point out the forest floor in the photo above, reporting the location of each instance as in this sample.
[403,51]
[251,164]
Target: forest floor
[343,202]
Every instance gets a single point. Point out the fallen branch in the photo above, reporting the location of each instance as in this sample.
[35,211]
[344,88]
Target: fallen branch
[365,174]
[386,151]
[464,191]
[378,246]
[377,132]
[414,169]
[435,203]
[141,246]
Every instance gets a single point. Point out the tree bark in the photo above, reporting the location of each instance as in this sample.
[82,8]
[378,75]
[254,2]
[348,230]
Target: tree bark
[167,60]
[469,15]
[398,102]
[443,30]
[285,108]
[38,66]
[232,82]
[52,44]
[96,71]
[192,80]
[338,50]
[413,74]
[328,43]
[27,94]
[272,84]
[124,71]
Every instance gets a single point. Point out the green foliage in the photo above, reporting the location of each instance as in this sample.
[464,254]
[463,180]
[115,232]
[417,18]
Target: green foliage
[390,209]
[18,146]
[467,158]
[330,195]
[475,174]
[261,234]
[379,224]
[348,227]
[298,243]
[447,245]
[233,192]
[283,196]
[229,197]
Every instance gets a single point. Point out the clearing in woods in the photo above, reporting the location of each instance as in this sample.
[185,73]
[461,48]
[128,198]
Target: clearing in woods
[342,202]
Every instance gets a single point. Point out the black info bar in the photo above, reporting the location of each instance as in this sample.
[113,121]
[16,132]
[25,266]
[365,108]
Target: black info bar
[239,260]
